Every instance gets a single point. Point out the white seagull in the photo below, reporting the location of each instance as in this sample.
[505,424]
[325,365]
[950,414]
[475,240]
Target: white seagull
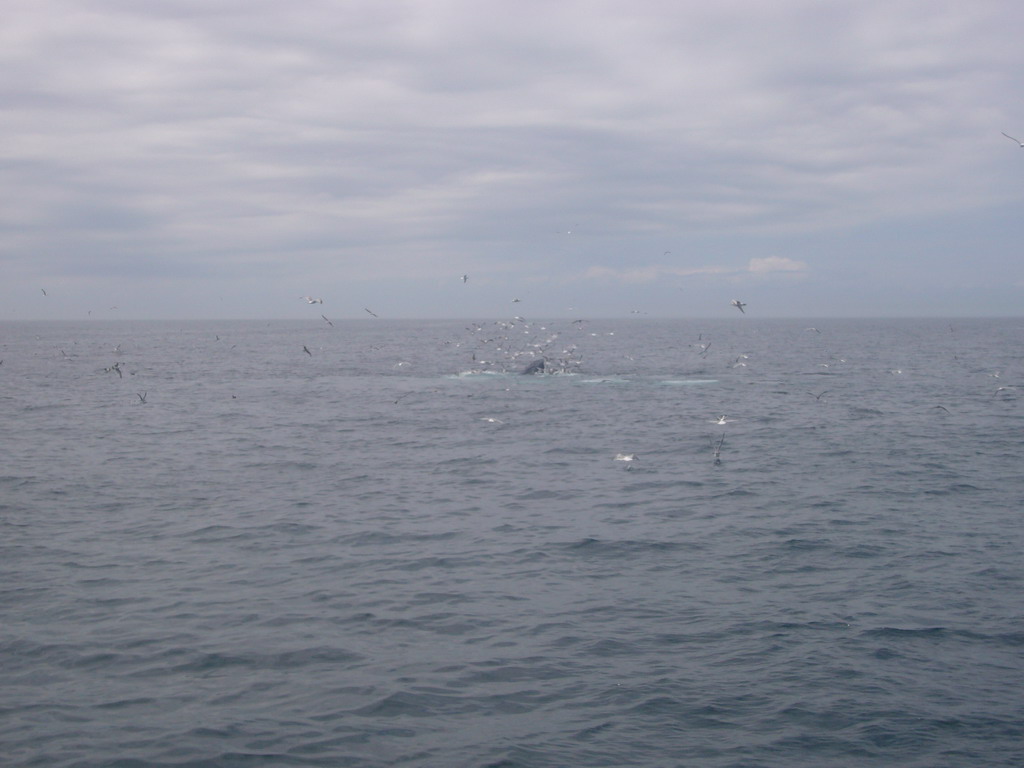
[1019,142]
[739,305]
[311,300]
[721,420]
[627,459]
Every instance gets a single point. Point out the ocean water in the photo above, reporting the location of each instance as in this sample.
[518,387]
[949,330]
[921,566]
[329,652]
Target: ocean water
[393,550]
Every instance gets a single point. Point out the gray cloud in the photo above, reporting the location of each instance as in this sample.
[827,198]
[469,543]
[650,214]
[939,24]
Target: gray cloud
[393,145]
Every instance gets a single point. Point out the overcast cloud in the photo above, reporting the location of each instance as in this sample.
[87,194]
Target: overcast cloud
[221,159]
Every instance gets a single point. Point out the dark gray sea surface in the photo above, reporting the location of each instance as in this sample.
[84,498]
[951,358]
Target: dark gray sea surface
[393,550]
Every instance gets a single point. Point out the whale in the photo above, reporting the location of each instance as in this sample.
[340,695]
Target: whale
[537,366]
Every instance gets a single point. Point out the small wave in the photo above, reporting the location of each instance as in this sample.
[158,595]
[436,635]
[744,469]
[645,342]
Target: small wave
[476,374]
[1011,639]
[626,547]
[293,659]
[605,381]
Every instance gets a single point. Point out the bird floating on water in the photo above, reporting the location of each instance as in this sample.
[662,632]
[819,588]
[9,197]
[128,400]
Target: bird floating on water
[739,305]
[627,458]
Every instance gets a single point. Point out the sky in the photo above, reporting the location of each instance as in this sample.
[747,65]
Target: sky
[224,158]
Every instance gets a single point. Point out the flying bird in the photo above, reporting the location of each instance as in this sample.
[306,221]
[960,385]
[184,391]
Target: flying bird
[142,396]
[739,305]
[44,290]
[327,321]
[306,350]
[311,300]
[1019,142]
[371,312]
[465,278]
[717,449]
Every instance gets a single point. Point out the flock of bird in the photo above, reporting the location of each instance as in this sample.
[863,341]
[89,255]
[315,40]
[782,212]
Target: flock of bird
[507,344]
[504,346]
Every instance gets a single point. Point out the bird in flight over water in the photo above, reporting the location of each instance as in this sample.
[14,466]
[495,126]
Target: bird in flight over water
[1019,142]
[465,278]
[739,305]
[717,449]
